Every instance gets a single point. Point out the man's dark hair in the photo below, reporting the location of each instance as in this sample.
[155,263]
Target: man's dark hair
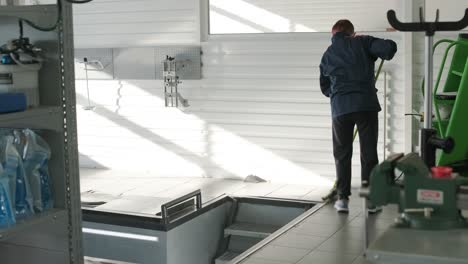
[343,25]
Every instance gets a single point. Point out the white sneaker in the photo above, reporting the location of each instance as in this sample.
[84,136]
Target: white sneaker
[374,209]
[341,206]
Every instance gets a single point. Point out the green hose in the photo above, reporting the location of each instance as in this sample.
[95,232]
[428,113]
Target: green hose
[377,74]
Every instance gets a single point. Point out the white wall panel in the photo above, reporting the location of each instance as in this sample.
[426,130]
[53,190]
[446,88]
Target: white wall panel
[278,76]
[136,23]
[238,124]
[257,110]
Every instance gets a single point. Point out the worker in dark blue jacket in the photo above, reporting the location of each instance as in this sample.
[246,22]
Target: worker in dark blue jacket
[347,77]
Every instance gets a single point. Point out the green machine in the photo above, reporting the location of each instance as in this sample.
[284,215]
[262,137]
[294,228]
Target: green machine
[430,188]
[427,194]
[428,199]
[451,105]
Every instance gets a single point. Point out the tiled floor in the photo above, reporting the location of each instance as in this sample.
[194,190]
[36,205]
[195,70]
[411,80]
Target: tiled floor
[325,238]
[142,194]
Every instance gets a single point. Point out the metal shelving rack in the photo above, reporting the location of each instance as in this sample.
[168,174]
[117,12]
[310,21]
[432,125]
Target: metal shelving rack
[53,237]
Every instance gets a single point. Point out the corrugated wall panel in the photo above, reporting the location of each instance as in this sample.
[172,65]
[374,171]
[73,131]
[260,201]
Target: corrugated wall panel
[136,23]
[278,76]
[257,110]
[221,125]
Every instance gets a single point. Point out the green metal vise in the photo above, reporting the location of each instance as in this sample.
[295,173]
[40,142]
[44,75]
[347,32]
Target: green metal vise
[424,202]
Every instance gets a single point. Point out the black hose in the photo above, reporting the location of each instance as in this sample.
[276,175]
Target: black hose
[59,15]
[50,28]
[414,115]
[21,31]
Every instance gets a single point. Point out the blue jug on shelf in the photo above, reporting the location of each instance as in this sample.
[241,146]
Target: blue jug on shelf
[36,157]
[13,168]
[7,217]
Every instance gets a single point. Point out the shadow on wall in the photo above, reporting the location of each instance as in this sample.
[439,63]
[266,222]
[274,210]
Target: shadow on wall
[280,132]
[140,134]
[127,127]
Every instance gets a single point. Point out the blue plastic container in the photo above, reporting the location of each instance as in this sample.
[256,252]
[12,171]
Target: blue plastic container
[36,157]
[19,188]
[7,217]
[12,102]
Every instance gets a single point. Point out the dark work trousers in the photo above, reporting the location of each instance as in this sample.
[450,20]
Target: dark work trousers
[343,130]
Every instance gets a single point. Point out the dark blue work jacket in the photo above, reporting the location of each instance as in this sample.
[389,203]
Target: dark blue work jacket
[347,72]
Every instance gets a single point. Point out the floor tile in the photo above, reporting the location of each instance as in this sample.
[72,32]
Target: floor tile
[258,189]
[278,253]
[264,261]
[374,222]
[316,194]
[91,184]
[357,233]
[221,187]
[389,212]
[356,202]
[153,206]
[299,241]
[291,191]
[328,219]
[186,188]
[330,210]
[321,257]
[92,173]
[208,199]
[135,204]
[153,187]
[315,229]
[121,205]
[354,247]
[111,186]
[316,197]
[97,197]
[362,260]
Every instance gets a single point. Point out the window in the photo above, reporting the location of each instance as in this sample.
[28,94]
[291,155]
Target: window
[281,16]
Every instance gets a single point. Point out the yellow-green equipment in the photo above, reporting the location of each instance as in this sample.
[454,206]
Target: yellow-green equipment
[430,189]
[427,197]
[426,200]
[451,105]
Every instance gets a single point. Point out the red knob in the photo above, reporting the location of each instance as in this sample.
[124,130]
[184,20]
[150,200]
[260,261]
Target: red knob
[442,172]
